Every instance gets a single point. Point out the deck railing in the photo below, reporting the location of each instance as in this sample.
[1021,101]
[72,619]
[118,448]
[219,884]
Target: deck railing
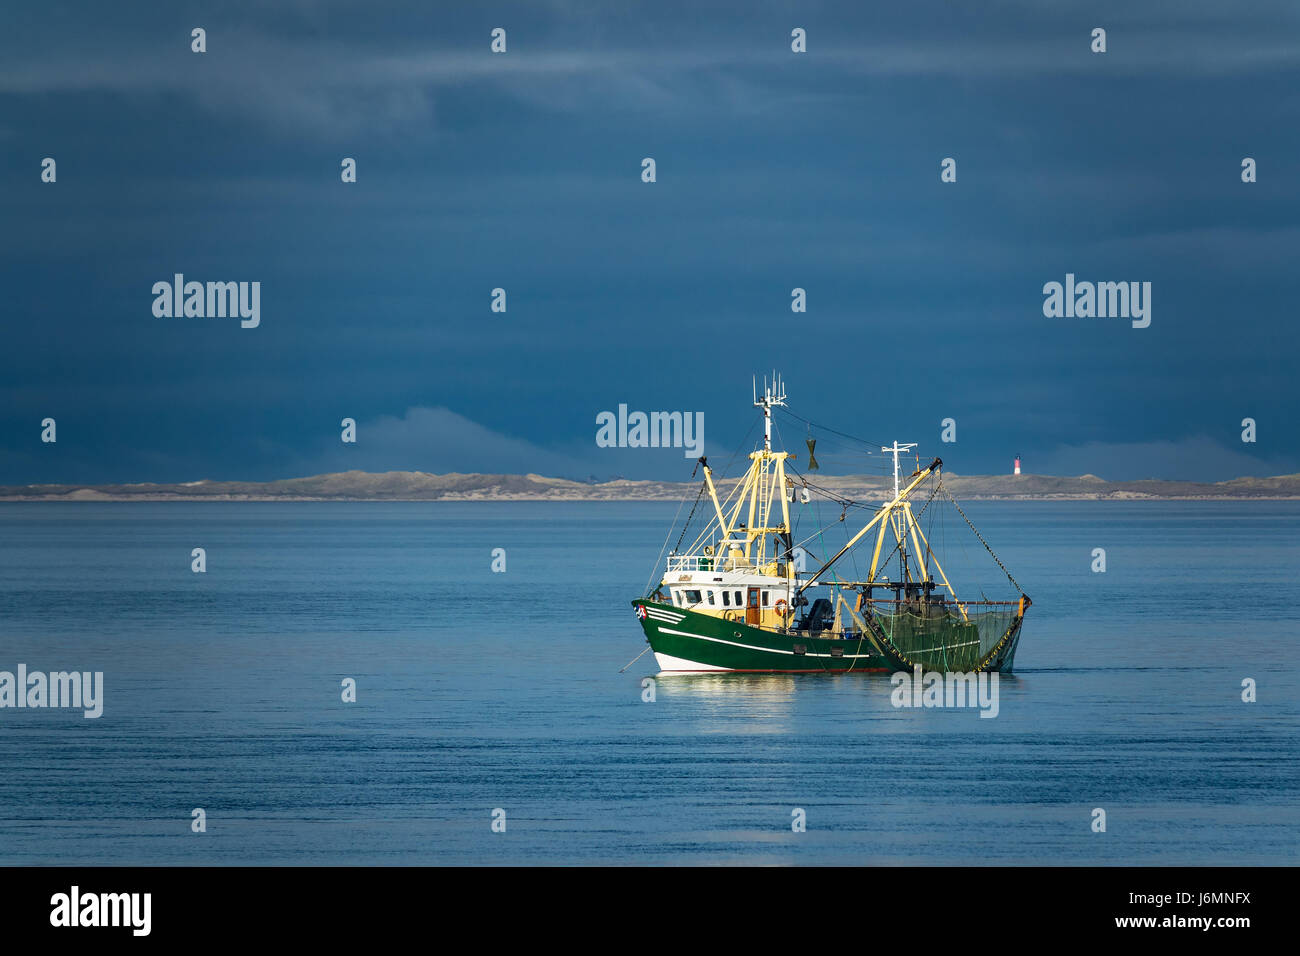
[682,563]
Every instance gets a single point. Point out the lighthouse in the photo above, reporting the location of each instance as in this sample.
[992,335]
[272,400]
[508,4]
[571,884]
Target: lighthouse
[1017,471]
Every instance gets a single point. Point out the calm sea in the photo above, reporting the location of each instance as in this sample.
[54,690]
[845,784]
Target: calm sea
[479,690]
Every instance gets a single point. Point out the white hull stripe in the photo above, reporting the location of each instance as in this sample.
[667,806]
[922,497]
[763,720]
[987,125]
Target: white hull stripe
[751,647]
[658,615]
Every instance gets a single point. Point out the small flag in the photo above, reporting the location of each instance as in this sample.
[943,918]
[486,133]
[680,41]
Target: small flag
[640,611]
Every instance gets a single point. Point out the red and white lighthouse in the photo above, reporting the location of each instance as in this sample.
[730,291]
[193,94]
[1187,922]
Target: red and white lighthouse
[1017,471]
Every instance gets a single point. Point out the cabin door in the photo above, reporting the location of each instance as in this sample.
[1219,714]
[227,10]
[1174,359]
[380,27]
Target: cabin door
[752,610]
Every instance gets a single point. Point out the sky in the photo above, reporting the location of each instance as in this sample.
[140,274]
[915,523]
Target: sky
[522,170]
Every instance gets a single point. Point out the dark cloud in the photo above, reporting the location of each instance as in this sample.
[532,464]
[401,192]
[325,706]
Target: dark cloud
[522,171]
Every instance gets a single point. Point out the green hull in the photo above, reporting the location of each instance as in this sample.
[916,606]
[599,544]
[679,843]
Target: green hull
[689,641]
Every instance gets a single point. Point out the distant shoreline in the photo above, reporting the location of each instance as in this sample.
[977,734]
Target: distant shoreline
[424,486]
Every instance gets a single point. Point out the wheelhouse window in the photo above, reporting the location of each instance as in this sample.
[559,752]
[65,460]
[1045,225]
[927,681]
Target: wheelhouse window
[693,597]
[739,601]
[765,598]
[712,599]
[726,599]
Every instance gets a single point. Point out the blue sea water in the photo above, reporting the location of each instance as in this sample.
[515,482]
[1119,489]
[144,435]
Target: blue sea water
[480,690]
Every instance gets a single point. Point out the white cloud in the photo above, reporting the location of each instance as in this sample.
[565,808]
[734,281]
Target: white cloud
[439,441]
[332,86]
[436,440]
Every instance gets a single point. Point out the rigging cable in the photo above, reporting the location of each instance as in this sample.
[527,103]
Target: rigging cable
[685,527]
[699,495]
[811,424]
[916,517]
[983,542]
[654,568]
[827,493]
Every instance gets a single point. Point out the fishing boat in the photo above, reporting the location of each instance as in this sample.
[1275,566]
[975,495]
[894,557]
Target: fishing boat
[740,596]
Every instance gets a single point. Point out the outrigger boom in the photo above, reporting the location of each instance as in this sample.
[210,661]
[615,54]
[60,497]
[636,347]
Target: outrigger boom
[880,517]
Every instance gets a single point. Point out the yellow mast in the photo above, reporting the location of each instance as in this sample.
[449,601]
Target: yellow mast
[754,496]
[766,478]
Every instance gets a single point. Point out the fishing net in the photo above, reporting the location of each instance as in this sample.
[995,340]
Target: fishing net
[943,639]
